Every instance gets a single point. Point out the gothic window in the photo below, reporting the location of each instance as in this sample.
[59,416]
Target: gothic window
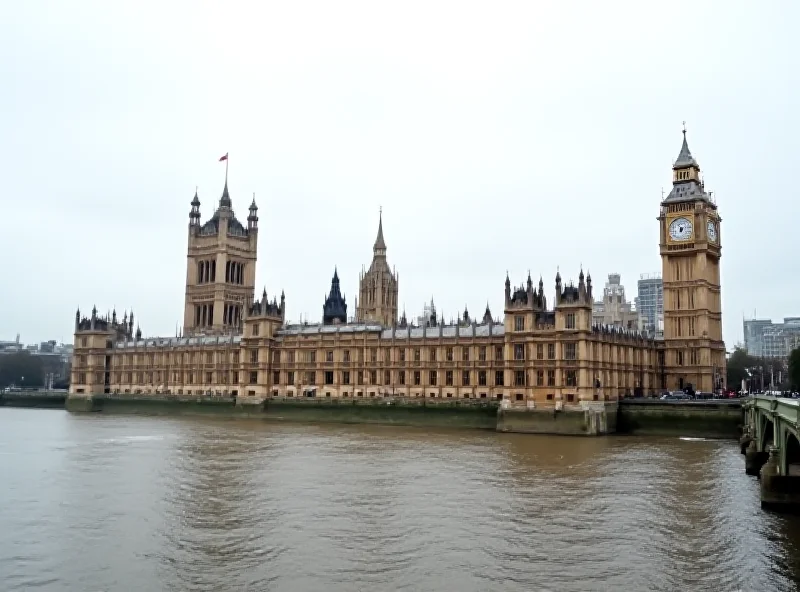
[255,329]
[569,351]
[519,323]
[465,378]
[276,357]
[276,377]
[482,378]
[311,377]
[448,378]
[329,377]
[360,377]
[570,378]
[539,351]
[402,353]
[551,378]
[449,354]
[498,378]
[416,378]
[254,356]
[540,378]
[432,378]
[551,351]
[290,377]
[346,354]
[254,377]
[373,354]
[329,356]
[416,355]
[465,354]
[401,376]
[373,377]
[433,355]
[519,351]
[387,377]
[312,356]
[570,320]
[482,353]
[498,352]
[519,378]
[346,377]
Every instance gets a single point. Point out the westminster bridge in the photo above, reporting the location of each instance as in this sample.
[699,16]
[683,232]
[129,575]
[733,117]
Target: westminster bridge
[771,445]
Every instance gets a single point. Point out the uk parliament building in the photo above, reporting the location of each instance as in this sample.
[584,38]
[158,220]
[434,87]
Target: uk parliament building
[541,354]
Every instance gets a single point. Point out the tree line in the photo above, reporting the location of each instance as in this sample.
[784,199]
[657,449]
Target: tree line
[761,371]
[25,370]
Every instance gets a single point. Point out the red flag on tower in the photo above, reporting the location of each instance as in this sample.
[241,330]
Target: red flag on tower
[221,158]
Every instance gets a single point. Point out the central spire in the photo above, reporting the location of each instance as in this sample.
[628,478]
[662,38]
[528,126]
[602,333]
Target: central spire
[685,158]
[225,200]
[380,245]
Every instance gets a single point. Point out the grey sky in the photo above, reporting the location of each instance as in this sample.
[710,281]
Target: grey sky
[505,136]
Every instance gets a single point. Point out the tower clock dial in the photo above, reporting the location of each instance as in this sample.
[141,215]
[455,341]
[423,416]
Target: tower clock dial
[712,231]
[680,229]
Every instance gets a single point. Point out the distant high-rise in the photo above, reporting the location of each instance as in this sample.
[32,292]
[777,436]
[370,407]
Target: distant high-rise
[650,303]
[765,339]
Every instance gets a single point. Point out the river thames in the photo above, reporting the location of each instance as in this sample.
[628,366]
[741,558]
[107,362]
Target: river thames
[103,502]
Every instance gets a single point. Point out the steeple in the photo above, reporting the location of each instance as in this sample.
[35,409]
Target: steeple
[225,200]
[685,158]
[334,309]
[380,245]
[686,182]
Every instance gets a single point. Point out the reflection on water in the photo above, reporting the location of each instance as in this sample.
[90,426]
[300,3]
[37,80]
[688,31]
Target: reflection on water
[134,503]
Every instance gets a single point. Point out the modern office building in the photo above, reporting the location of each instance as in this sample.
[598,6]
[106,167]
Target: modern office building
[650,304]
[765,339]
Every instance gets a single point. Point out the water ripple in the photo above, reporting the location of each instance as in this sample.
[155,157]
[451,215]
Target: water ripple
[104,503]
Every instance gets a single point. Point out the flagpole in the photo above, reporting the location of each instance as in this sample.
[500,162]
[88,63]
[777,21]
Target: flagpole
[227,160]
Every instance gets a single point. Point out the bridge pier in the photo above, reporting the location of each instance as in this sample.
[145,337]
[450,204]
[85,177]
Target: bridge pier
[744,441]
[779,492]
[754,459]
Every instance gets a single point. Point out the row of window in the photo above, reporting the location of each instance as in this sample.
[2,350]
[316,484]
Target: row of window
[521,378]
[519,322]
[541,351]
[207,272]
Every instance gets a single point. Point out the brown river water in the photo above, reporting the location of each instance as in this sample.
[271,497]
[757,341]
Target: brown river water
[104,502]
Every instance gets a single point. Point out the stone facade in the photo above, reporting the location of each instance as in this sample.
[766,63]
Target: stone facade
[539,356]
[691,247]
[614,308]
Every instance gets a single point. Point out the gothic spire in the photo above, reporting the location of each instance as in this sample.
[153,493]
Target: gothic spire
[225,200]
[380,244]
[685,158]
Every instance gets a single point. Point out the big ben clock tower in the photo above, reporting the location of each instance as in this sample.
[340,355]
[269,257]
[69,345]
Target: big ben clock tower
[690,246]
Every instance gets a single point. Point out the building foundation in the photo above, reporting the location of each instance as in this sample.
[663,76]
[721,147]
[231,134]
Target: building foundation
[779,492]
[754,459]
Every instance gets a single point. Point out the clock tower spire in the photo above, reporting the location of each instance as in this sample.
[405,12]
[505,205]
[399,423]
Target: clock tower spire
[690,254]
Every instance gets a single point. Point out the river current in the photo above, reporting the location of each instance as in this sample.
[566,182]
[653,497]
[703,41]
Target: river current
[103,502]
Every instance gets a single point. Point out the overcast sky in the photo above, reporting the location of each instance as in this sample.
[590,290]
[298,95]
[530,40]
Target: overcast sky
[496,136]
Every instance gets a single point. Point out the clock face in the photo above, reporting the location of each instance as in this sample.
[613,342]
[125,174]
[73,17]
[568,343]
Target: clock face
[680,229]
[712,232]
